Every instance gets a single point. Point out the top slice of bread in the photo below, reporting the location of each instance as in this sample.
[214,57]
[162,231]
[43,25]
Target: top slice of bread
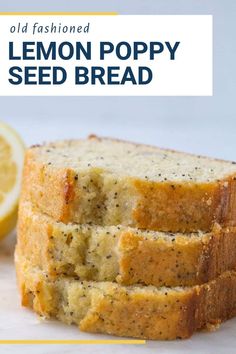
[110,182]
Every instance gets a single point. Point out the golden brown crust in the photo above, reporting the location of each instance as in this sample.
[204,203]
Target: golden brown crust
[143,313]
[188,207]
[36,293]
[142,316]
[174,207]
[216,301]
[175,260]
[163,206]
[182,262]
[52,189]
[227,213]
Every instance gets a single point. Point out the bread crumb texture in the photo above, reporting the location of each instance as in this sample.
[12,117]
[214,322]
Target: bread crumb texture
[110,182]
[134,311]
[124,254]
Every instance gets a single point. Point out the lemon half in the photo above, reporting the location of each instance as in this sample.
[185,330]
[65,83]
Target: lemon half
[11,164]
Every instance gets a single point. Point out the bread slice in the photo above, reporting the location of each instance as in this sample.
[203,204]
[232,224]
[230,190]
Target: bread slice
[133,311]
[123,254]
[110,182]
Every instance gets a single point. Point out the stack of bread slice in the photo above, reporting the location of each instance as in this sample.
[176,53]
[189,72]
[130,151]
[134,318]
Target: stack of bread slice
[127,239]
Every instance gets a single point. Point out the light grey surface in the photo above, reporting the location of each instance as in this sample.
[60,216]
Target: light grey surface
[199,124]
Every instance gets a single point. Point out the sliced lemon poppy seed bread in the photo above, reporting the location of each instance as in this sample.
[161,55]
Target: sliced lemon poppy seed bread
[133,311]
[111,182]
[123,254]
[127,239]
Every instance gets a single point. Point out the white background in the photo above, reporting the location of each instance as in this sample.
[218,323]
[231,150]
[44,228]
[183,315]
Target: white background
[204,125]
[189,74]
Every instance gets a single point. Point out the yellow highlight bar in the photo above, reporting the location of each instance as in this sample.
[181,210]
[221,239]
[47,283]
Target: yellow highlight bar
[71,341]
[58,13]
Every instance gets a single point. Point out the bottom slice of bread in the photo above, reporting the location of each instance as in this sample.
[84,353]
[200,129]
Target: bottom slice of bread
[133,311]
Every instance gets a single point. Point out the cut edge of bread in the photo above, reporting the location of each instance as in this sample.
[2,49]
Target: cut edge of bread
[94,196]
[135,311]
[125,255]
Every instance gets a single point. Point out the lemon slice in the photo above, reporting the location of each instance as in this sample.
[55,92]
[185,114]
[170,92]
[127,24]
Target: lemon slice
[11,163]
